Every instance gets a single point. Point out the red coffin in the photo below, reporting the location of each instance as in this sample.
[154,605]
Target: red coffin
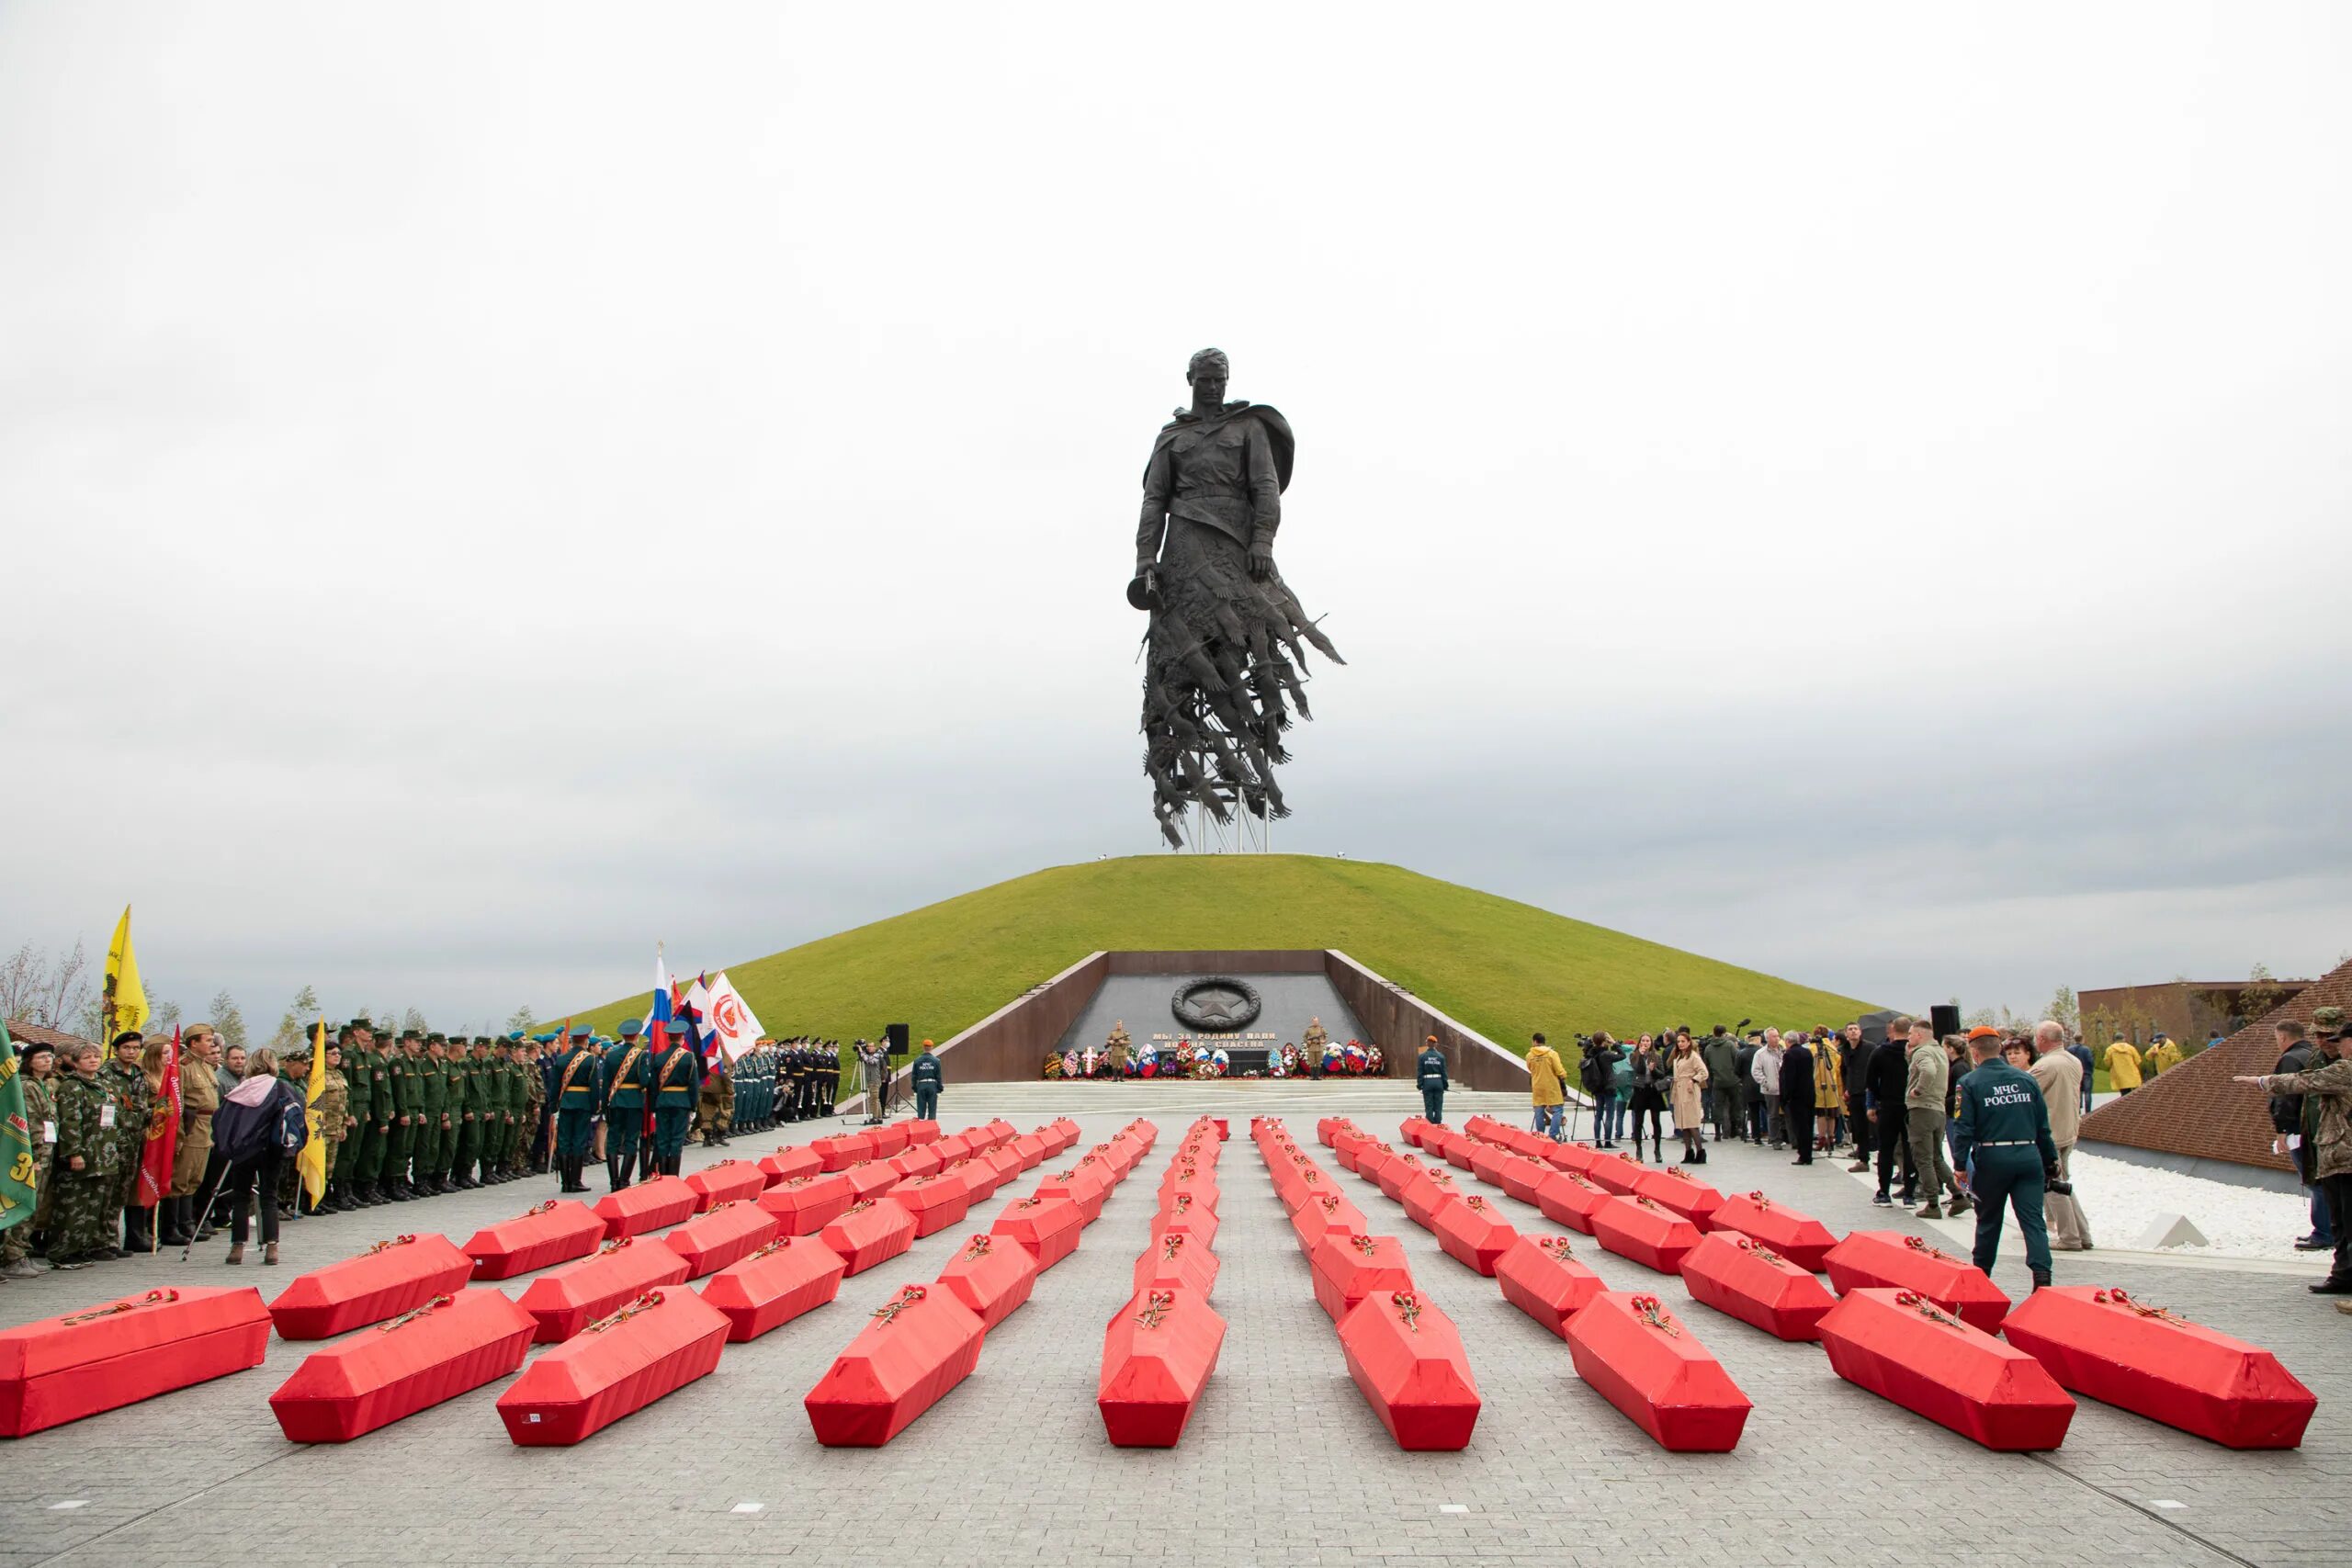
[553,1231]
[1647,1363]
[1375,1163]
[982,1176]
[2103,1344]
[567,1301]
[786,1164]
[993,1275]
[1300,1182]
[1346,1143]
[1541,1277]
[916,1347]
[1675,1189]
[1411,1130]
[1065,1135]
[1048,1228]
[1795,1235]
[655,1344]
[870,1233]
[1636,1228]
[726,1182]
[1486,1162]
[1000,1133]
[1198,1218]
[1200,1183]
[1895,1261]
[868,1178]
[1328,1213]
[1570,1200]
[727,1234]
[1329,1127]
[1347,1269]
[889,1141]
[1176,1259]
[386,1280]
[1394,1174]
[648,1206]
[1567,1156]
[1521,1177]
[1081,1186]
[1031,1148]
[773,1285]
[803,1205]
[1158,1353]
[922,1132]
[936,1201]
[446,1347]
[1406,1357]
[920,1160]
[838,1152]
[1616,1172]
[953,1147]
[62,1369]
[1002,1164]
[1742,1277]
[1424,1195]
[1903,1346]
[1474,1232]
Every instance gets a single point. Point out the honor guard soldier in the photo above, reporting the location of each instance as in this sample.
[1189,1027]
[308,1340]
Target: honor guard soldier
[578,1090]
[622,1103]
[1430,1073]
[677,1088]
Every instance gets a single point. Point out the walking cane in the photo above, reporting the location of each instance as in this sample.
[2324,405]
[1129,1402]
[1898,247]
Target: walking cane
[209,1189]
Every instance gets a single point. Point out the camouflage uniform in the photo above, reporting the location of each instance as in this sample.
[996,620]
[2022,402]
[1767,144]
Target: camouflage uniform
[533,1090]
[716,1107]
[40,1111]
[137,1100]
[90,1115]
[334,1119]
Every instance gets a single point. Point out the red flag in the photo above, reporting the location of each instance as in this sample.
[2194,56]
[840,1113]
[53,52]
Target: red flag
[163,1134]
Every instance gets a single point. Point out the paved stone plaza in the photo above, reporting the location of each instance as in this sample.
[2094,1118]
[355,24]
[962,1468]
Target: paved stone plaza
[1283,1464]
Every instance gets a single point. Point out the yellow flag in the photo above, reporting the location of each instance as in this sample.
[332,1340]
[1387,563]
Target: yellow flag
[124,1004]
[310,1165]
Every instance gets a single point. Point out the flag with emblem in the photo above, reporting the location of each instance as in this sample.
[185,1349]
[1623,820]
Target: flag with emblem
[310,1165]
[16,1184]
[163,1135]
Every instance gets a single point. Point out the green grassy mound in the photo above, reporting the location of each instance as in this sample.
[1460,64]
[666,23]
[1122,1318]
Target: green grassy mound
[1501,967]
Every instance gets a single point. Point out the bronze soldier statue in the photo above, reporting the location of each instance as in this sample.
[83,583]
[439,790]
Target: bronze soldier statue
[1227,665]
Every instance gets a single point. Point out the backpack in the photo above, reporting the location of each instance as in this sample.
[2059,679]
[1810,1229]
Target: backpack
[293,1125]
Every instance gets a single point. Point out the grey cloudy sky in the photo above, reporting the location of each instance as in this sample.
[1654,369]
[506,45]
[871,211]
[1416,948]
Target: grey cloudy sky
[1856,490]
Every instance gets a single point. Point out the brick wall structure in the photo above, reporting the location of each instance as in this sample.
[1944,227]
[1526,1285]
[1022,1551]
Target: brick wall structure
[2195,1112]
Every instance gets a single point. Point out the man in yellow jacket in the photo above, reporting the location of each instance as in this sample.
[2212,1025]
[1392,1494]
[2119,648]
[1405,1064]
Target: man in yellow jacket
[2163,1057]
[2122,1067]
[1548,1086]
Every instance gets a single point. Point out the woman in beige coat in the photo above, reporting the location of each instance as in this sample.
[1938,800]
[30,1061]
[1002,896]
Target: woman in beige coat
[1689,1112]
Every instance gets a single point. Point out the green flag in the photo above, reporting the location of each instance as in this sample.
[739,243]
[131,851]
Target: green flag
[16,1140]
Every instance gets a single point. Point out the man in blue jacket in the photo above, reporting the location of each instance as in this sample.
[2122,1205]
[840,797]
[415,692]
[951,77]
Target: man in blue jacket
[2002,1140]
[1430,1073]
[928,1081]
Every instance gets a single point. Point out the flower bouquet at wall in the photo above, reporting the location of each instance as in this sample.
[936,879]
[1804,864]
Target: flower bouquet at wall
[1375,1065]
[1356,1058]
[1053,1065]
[1334,1059]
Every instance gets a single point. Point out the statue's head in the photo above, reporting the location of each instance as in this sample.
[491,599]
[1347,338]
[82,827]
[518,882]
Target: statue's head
[1209,371]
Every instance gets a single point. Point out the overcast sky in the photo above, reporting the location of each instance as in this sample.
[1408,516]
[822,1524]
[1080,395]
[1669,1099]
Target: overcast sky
[1860,491]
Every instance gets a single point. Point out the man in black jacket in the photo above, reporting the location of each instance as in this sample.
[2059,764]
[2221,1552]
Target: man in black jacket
[1796,1096]
[1429,1074]
[927,1080]
[1889,1076]
[1750,1103]
[1858,1073]
[2298,1054]
[1597,1073]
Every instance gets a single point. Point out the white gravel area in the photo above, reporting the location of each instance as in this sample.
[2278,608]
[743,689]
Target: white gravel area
[2121,1201]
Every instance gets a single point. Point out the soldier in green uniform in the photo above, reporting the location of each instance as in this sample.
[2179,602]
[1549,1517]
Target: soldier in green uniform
[578,1091]
[677,1089]
[2002,1140]
[623,1079]
[512,1150]
[430,1158]
[138,1098]
[363,1075]
[92,1149]
[34,1065]
[468,1106]
[401,1077]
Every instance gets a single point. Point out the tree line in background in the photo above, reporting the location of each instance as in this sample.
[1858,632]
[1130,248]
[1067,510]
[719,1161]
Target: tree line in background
[61,993]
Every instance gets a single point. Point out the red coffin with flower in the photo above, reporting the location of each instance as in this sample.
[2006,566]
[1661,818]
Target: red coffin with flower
[1638,1228]
[1541,1277]
[915,1347]
[1425,1194]
[650,1347]
[1522,1176]
[1647,1363]
[727,1234]
[1406,1357]
[1412,1129]
[119,1352]
[1029,1149]
[449,1346]
[1474,1232]
[1065,1136]
[389,1279]
[568,1300]
[1904,1346]
[726,1182]
[1742,1277]
[1084,1185]
[868,1178]
[1375,1163]
[1200,1183]
[1618,1174]
[1177,1260]
[1000,1132]
[773,1285]
[554,1232]
[1297,1178]
[888,1139]
[983,1173]
[1347,1269]
[1312,1220]
[1195,1218]
[1451,1146]
[1487,1161]
[803,1205]
[936,1201]
[1567,1156]
[919,1160]
[2145,1360]
[1003,1164]
[1158,1353]
[1676,1188]
[1895,1261]
[1048,1228]
[920,1132]
[1346,1143]
[840,1152]
[648,1206]
[1794,1233]
[786,1164]
[1394,1174]
[870,1233]
[1329,1127]
[993,1275]
[1570,1200]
